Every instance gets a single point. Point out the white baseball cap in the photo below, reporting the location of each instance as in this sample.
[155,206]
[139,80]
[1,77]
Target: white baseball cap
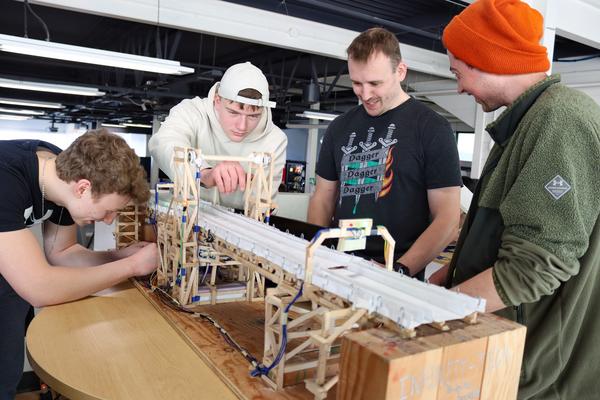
[245,76]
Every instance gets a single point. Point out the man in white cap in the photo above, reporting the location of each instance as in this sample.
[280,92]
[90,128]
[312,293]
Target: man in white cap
[234,120]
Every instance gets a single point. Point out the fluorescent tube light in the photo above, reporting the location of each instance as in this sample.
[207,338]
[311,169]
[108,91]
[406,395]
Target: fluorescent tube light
[23,112]
[30,103]
[14,117]
[50,87]
[113,125]
[318,115]
[137,125]
[295,125]
[58,51]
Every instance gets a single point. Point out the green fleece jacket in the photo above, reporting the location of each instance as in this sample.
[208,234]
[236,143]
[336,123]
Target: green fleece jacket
[534,219]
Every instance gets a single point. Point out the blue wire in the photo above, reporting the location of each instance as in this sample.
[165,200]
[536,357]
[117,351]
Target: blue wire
[261,369]
[319,232]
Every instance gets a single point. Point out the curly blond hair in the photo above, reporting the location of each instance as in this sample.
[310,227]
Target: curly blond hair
[107,162]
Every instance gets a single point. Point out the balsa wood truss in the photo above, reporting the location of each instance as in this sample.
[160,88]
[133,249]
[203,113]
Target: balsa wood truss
[210,255]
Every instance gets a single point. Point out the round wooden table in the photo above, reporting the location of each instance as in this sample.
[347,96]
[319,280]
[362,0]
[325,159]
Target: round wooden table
[115,345]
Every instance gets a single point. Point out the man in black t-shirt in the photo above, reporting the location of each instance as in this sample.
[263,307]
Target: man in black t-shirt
[391,159]
[89,181]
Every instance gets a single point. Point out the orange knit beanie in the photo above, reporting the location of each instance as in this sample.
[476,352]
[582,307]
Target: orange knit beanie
[498,36]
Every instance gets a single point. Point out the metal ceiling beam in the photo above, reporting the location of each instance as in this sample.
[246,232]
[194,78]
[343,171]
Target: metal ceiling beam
[369,18]
[578,21]
[248,24]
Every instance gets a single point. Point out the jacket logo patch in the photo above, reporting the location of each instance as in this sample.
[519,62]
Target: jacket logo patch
[557,187]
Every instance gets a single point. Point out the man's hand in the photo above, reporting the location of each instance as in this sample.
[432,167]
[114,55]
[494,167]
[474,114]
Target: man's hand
[129,250]
[227,176]
[145,259]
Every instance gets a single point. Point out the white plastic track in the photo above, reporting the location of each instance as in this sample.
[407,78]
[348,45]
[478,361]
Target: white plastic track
[407,301]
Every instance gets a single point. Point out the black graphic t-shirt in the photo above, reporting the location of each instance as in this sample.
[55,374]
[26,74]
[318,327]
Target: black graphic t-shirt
[21,204]
[386,164]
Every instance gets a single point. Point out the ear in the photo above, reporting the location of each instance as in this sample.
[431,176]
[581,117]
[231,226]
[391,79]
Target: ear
[401,70]
[81,186]
[217,100]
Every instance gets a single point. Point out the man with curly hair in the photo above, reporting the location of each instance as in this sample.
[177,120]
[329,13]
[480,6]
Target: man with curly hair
[90,181]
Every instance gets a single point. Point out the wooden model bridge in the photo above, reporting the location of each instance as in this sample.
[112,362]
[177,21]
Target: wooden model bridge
[402,338]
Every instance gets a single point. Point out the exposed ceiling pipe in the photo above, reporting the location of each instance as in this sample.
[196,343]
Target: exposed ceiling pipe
[174,45]
[335,80]
[289,82]
[459,3]
[370,18]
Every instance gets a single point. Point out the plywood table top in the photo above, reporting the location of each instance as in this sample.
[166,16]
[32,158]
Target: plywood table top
[115,345]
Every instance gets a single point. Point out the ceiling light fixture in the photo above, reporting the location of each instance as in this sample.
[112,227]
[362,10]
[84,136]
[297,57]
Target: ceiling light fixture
[295,125]
[318,115]
[14,117]
[22,112]
[67,52]
[137,125]
[113,125]
[30,103]
[50,87]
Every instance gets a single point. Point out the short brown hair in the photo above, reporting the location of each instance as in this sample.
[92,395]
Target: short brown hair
[372,41]
[250,94]
[107,162]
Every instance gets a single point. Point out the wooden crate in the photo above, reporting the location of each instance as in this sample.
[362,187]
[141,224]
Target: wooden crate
[469,361]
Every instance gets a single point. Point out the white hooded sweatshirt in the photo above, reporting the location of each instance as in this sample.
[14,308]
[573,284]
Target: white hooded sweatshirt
[194,123]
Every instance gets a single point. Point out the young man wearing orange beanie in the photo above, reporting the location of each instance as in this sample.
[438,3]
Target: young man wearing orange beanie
[531,241]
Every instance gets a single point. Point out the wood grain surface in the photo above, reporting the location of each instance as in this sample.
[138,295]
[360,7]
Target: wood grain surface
[116,346]
[245,323]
